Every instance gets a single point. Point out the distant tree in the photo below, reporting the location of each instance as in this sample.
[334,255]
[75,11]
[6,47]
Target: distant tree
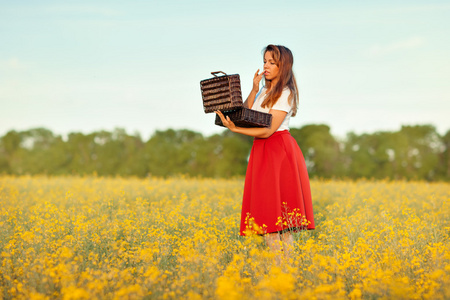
[444,158]
[419,152]
[358,153]
[413,152]
[410,153]
[39,152]
[320,149]
[109,152]
[372,155]
[82,155]
[207,156]
[132,160]
[9,145]
[171,152]
[232,154]
[11,142]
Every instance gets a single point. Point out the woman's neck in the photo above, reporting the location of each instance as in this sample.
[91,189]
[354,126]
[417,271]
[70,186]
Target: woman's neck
[272,84]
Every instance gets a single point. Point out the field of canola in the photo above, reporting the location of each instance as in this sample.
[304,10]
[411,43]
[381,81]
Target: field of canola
[116,238]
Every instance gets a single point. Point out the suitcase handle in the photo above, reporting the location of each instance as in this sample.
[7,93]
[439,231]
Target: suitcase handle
[214,73]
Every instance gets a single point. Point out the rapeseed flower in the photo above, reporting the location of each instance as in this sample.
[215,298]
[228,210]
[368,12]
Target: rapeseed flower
[115,238]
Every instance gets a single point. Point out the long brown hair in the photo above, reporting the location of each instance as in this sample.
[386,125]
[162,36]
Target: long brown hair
[284,60]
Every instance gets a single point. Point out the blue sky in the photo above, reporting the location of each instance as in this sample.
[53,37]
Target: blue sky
[83,66]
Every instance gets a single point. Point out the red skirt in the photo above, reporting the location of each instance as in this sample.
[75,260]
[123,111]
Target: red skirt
[277,194]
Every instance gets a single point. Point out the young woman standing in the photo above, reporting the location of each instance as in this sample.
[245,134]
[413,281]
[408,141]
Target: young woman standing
[277,195]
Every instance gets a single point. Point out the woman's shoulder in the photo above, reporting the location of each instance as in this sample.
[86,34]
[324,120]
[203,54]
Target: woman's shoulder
[283,101]
[285,93]
[286,90]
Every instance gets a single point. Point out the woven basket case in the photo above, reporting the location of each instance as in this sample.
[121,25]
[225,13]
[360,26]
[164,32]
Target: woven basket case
[221,92]
[246,117]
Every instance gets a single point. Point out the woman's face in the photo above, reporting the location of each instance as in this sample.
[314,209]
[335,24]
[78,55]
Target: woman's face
[271,69]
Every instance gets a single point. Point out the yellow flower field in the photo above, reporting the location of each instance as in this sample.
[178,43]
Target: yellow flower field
[116,238]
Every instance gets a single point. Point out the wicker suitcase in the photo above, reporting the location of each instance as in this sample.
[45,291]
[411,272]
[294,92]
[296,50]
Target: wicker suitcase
[221,92]
[246,117]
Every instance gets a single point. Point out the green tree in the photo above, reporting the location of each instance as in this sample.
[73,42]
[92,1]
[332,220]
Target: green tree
[444,158]
[418,151]
[9,145]
[232,154]
[132,160]
[358,156]
[81,151]
[320,149]
[39,152]
[413,152]
[171,152]
[206,157]
[371,155]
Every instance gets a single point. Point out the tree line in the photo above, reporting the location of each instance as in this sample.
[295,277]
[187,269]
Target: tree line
[414,152]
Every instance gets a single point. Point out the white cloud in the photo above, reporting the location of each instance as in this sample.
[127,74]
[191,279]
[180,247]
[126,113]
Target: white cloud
[410,43]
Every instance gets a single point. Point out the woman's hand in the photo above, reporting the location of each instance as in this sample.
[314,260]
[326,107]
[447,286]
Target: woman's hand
[255,89]
[256,79]
[226,121]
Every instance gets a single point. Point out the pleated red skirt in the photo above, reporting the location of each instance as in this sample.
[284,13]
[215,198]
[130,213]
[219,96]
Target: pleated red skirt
[277,194]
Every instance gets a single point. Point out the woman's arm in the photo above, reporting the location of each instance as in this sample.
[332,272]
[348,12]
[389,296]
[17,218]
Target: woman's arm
[277,118]
[251,98]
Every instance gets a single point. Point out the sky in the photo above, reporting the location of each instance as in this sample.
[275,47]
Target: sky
[85,66]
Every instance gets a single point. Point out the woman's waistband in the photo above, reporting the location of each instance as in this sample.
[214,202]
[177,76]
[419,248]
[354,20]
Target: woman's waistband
[276,133]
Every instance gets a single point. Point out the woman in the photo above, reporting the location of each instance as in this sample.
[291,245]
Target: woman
[277,196]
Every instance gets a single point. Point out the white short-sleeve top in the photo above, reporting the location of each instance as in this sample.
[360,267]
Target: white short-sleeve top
[282,104]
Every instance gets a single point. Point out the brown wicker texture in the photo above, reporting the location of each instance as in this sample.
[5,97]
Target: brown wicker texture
[246,117]
[221,93]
